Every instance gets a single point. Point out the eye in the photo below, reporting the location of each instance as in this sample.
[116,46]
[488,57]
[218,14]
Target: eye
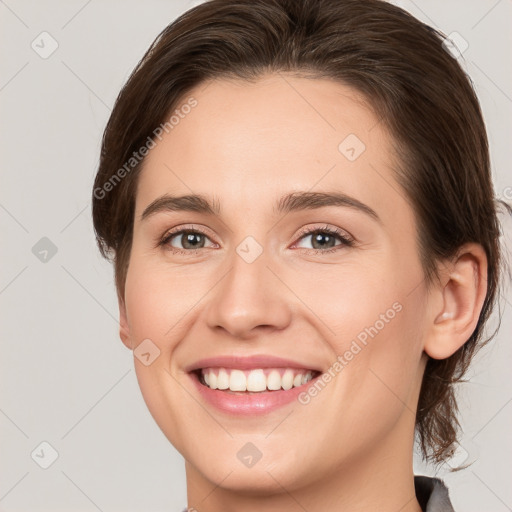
[193,239]
[190,239]
[325,239]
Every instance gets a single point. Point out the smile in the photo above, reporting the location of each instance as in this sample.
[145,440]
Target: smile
[256,381]
[250,385]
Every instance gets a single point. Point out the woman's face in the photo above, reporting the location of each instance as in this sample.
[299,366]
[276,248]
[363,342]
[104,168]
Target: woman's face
[254,290]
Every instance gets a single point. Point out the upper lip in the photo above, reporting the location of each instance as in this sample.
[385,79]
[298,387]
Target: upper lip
[249,363]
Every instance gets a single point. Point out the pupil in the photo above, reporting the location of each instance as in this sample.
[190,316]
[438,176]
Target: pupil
[190,239]
[319,236]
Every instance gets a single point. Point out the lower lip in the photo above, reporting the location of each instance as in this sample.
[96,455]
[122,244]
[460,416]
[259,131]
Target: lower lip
[244,403]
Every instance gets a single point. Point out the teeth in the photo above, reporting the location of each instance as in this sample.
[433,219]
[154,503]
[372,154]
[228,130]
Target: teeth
[222,379]
[255,380]
[287,380]
[274,380]
[212,380]
[237,381]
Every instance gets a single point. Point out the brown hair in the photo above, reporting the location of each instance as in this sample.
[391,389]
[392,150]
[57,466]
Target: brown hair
[400,65]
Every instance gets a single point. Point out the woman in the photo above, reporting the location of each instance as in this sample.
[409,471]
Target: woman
[297,199]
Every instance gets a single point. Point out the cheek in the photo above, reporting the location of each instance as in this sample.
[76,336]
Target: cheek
[353,300]
[156,310]
[156,302]
[375,319]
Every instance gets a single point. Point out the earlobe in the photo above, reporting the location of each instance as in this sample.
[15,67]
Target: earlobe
[124,328]
[463,290]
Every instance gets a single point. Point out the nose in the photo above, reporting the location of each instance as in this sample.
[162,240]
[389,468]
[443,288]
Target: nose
[249,300]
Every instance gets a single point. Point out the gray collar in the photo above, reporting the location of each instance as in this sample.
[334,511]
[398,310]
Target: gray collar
[432,494]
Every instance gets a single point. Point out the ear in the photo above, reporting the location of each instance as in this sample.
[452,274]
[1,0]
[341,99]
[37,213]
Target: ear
[461,293]
[124,328]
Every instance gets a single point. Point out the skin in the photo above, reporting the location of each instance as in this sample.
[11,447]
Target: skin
[248,144]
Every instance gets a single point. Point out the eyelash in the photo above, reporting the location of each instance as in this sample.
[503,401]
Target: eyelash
[345,241]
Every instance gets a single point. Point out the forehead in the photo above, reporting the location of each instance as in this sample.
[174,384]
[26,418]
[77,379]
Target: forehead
[247,143]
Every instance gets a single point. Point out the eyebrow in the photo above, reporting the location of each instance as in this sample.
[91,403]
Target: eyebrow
[294,201]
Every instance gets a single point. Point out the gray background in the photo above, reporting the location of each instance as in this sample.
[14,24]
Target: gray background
[66,379]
